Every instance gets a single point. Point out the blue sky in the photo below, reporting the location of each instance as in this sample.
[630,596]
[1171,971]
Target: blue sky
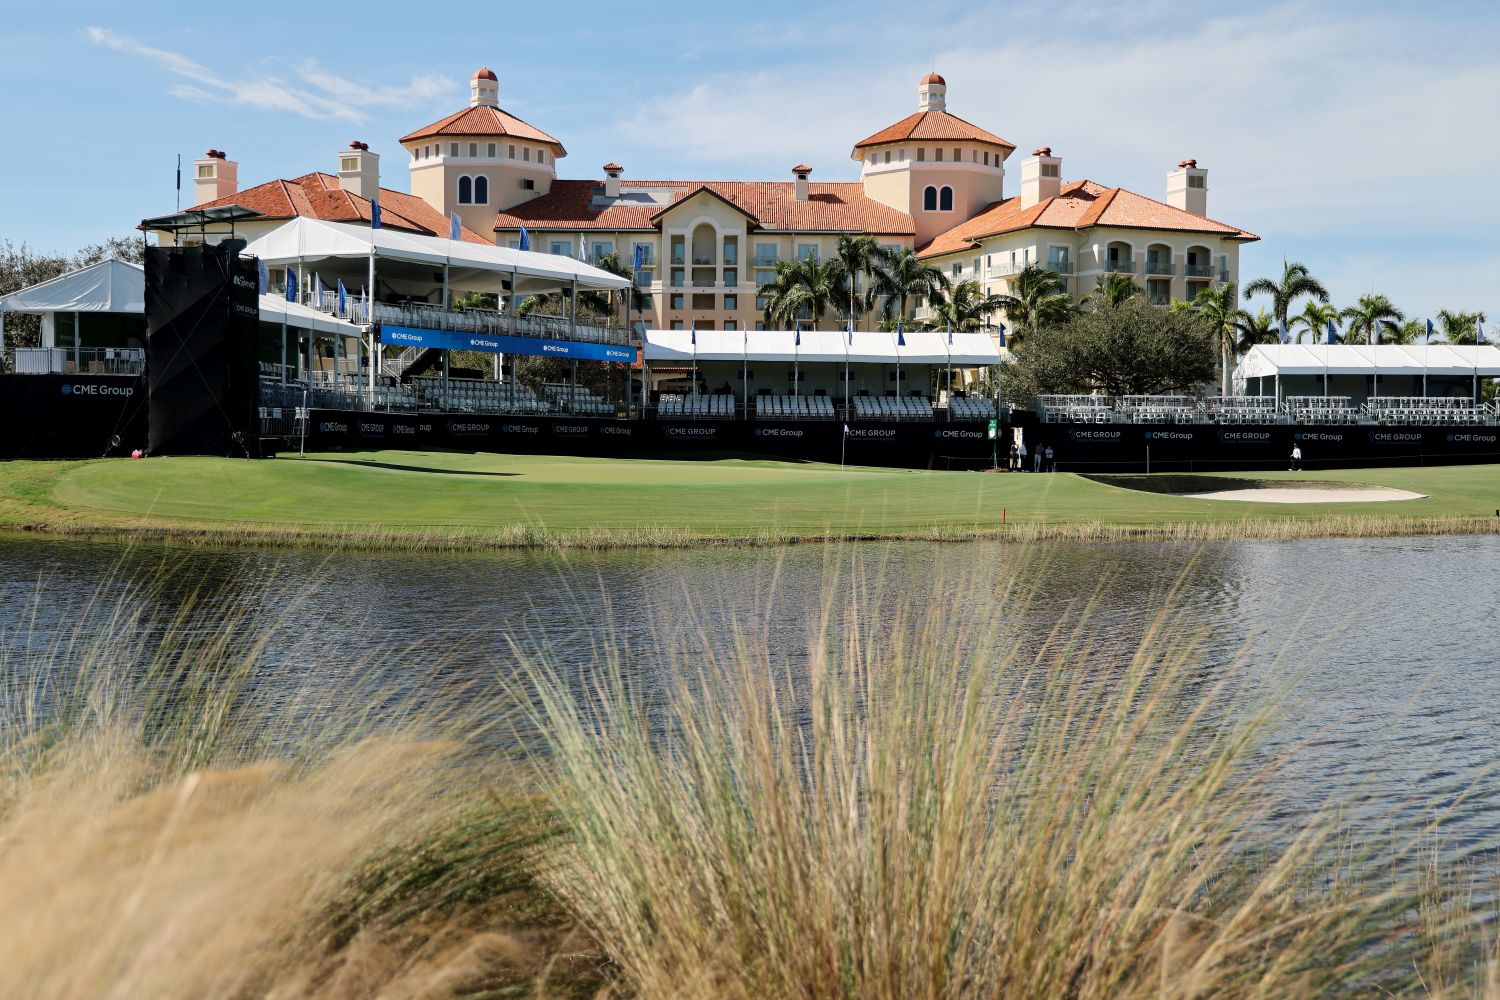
[1362,139]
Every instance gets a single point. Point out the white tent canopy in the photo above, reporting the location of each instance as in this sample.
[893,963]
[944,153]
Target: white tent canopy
[968,350]
[1269,360]
[276,309]
[110,286]
[477,267]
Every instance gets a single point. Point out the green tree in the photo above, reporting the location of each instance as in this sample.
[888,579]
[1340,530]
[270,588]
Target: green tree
[904,277]
[1037,298]
[1132,348]
[1409,332]
[967,306]
[1313,320]
[1217,308]
[1459,327]
[1258,329]
[1296,282]
[856,255]
[1372,315]
[1113,289]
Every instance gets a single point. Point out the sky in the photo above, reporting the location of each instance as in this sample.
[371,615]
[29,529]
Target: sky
[1362,139]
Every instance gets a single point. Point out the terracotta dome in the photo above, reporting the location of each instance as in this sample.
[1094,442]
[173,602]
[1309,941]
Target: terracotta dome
[485,73]
[933,78]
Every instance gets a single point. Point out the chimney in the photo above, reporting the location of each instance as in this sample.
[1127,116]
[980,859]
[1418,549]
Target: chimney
[1187,188]
[484,89]
[215,176]
[801,171]
[359,170]
[1041,177]
[612,180]
[932,93]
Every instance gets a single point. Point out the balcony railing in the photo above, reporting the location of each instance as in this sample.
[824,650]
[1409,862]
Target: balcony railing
[431,316]
[1120,266]
[78,360]
[1198,270]
[1060,266]
[677,259]
[1160,267]
[765,261]
[1223,275]
[702,261]
[704,283]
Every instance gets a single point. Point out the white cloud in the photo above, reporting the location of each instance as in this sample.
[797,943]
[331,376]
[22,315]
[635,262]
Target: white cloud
[311,91]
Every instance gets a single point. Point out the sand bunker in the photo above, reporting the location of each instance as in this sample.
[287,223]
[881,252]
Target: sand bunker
[1309,494]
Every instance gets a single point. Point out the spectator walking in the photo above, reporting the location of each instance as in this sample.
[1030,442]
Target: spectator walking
[1013,456]
[1036,458]
[1021,456]
[1296,457]
[1051,462]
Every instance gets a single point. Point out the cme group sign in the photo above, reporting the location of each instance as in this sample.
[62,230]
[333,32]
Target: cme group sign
[94,389]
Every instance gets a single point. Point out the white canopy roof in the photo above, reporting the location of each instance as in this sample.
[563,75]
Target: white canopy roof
[110,286]
[923,347]
[471,266]
[1266,360]
[274,308]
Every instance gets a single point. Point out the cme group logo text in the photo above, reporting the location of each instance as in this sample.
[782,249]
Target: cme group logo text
[70,389]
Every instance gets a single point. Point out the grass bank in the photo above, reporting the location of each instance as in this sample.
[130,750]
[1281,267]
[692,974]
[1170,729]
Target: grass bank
[917,810]
[456,501]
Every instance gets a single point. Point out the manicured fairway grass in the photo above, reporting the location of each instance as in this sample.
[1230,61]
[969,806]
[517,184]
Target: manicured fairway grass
[422,492]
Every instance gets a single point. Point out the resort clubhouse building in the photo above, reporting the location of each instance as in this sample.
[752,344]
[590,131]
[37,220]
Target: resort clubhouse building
[931,182]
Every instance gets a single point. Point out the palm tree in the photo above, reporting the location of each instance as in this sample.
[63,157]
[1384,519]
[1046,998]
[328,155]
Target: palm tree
[1216,306]
[1371,316]
[1113,289]
[967,306]
[1037,298]
[1296,281]
[1409,332]
[904,277]
[606,303]
[801,286]
[1258,329]
[1314,318]
[1459,327]
[856,255]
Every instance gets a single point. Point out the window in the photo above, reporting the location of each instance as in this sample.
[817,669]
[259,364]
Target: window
[989,261]
[677,324]
[473,149]
[600,248]
[958,269]
[644,277]
[481,190]
[526,153]
[731,302]
[806,250]
[1196,180]
[759,325]
[1050,169]
[937,155]
[646,251]
[945,200]
[510,150]
[921,154]
[205,170]
[349,163]
[677,300]
[730,324]
[465,191]
[541,156]
[958,155]
[1057,259]
[888,156]
[765,253]
[764,278]
[986,157]
[514,244]
[452,149]
[560,248]
[731,276]
[491,151]
[929,199]
[703,302]
[527,184]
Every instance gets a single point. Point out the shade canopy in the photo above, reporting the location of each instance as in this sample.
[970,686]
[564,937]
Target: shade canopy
[110,286]
[968,350]
[276,309]
[1269,360]
[413,263]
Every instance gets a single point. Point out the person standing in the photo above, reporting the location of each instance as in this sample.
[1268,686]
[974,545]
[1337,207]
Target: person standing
[1036,457]
[1021,456]
[1296,457]
[1051,462]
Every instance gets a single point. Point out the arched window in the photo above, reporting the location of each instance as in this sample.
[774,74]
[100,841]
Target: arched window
[929,199]
[465,191]
[945,200]
[481,190]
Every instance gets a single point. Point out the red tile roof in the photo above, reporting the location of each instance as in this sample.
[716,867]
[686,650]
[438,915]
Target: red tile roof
[933,125]
[835,207]
[318,196]
[484,121]
[1079,205]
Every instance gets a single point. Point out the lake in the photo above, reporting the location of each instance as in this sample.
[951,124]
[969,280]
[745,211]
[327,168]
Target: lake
[1384,652]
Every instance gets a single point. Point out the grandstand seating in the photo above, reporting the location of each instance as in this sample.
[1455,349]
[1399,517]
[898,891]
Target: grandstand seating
[1426,410]
[892,408]
[794,408]
[477,396]
[971,408]
[1239,409]
[577,400]
[1076,409]
[696,407]
[1322,410]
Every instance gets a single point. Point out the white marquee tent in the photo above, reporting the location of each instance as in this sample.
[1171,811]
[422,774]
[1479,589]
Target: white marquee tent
[1269,360]
[923,347]
[110,286]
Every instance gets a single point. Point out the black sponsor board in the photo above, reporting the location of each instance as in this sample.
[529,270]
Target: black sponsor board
[1250,447]
[71,416]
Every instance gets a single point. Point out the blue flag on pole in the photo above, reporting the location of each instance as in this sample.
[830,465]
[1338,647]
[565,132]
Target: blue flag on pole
[851,333]
[693,337]
[1429,331]
[525,239]
[900,335]
[1281,332]
[1333,335]
[1478,332]
[1002,334]
[263,276]
[291,284]
[640,257]
[375,212]
[343,298]
[455,227]
[950,334]
[317,291]
[797,335]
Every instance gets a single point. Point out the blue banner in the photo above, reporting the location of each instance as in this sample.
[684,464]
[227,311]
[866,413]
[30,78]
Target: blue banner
[494,343]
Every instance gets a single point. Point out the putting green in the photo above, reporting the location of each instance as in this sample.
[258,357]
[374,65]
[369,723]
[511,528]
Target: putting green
[405,491]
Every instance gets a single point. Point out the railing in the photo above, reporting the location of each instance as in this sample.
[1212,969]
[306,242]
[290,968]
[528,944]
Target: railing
[765,261]
[1120,266]
[678,259]
[1060,266]
[431,316]
[1159,267]
[77,360]
[704,282]
[1224,275]
[702,261]
[1198,270]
